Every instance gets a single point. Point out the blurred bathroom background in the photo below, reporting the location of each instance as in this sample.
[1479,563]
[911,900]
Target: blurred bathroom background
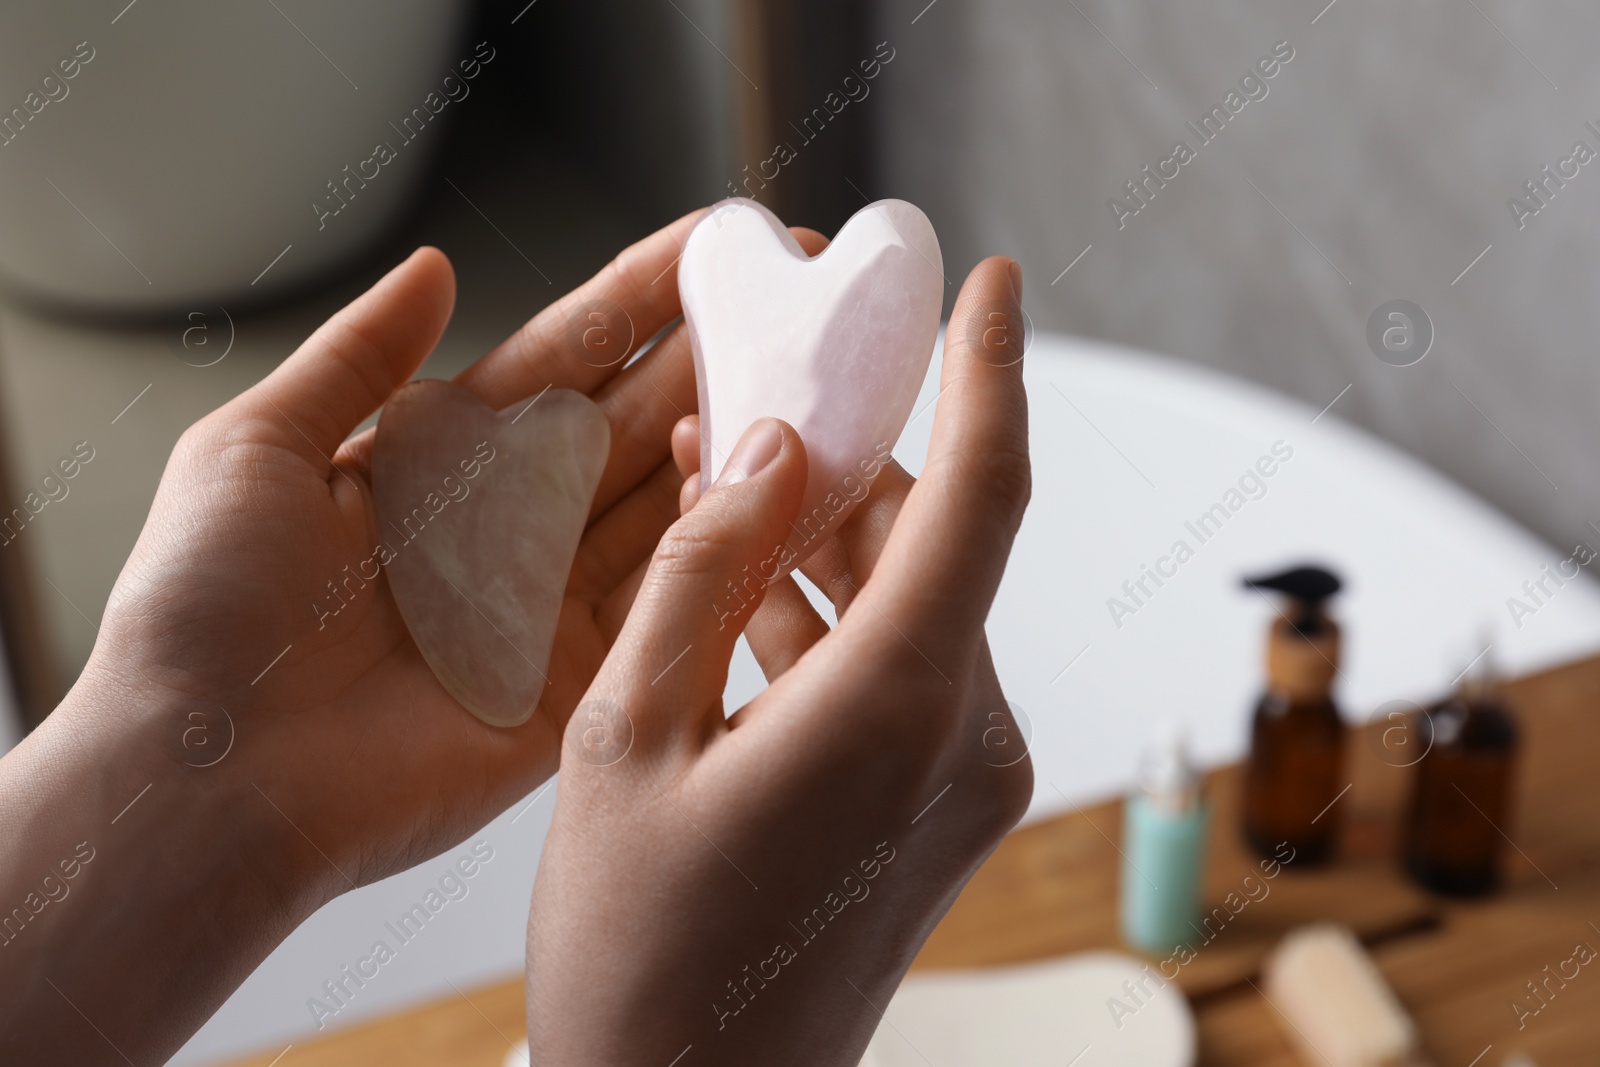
[159,208]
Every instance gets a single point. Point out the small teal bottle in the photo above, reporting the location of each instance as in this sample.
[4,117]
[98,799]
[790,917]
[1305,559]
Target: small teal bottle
[1164,839]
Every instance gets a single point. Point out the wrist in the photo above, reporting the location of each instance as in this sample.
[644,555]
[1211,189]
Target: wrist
[171,769]
[129,859]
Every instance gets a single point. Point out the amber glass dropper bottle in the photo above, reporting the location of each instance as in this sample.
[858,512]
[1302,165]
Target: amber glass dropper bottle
[1297,738]
[1460,798]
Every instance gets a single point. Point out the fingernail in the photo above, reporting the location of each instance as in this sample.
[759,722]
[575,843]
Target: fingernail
[1016,280]
[759,446]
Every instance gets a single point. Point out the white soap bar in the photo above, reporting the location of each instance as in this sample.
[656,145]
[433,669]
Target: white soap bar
[1336,1003]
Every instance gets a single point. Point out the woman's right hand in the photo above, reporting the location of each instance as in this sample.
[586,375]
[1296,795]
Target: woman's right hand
[752,889]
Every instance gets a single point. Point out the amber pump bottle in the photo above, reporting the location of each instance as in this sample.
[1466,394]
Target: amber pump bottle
[1461,792]
[1293,778]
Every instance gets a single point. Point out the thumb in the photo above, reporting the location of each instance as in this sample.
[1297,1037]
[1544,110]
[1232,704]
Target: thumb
[355,361]
[706,579]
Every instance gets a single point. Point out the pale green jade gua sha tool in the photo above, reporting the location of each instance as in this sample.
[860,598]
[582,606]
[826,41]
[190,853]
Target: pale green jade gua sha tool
[479,517]
[836,345]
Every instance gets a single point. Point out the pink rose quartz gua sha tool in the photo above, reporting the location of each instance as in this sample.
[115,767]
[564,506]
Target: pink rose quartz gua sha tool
[837,345]
[479,517]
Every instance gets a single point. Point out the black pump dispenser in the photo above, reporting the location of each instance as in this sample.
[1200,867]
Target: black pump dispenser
[1307,587]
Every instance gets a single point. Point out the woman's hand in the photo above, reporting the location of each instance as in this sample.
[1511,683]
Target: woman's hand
[345,760]
[753,888]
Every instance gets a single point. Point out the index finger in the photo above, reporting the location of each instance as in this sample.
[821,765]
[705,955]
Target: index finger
[947,550]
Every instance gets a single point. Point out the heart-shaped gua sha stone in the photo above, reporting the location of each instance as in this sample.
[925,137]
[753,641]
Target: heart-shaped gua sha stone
[479,515]
[837,345]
